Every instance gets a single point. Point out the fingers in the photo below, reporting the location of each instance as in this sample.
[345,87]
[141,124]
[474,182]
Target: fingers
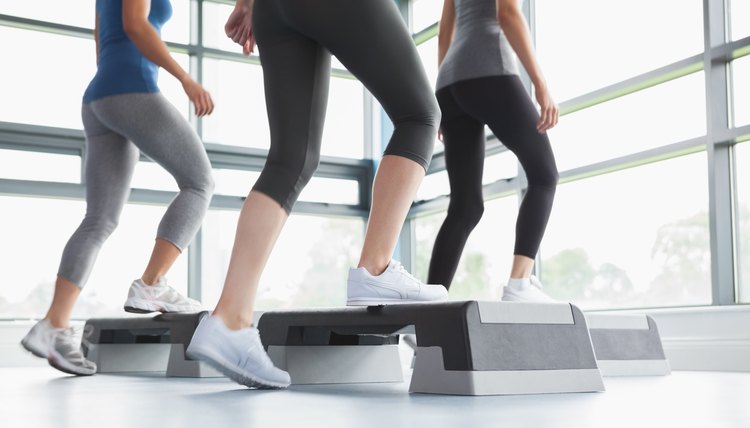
[204,104]
[548,118]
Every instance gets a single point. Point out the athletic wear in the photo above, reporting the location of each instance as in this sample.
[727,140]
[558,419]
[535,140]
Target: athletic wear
[502,103]
[118,129]
[525,290]
[121,67]
[65,355]
[479,46]
[394,286]
[159,297]
[371,40]
[238,354]
[39,339]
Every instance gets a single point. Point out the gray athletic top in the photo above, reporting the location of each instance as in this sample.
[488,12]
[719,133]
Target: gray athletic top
[479,47]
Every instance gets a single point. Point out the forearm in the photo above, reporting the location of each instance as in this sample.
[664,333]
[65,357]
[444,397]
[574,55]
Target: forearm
[148,42]
[517,32]
[444,42]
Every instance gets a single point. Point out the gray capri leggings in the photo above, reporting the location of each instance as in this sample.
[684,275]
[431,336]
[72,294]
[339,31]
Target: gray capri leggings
[296,39]
[117,129]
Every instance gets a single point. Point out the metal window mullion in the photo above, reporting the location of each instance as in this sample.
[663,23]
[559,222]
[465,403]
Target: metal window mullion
[720,185]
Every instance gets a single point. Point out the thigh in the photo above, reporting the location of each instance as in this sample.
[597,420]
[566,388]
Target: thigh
[296,75]
[108,168]
[464,141]
[370,38]
[158,130]
[503,104]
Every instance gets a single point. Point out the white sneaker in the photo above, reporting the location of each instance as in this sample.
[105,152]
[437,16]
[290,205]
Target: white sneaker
[159,297]
[394,286]
[65,354]
[530,292]
[39,339]
[238,354]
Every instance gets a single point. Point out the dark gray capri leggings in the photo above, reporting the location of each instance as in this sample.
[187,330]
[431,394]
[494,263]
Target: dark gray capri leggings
[296,39]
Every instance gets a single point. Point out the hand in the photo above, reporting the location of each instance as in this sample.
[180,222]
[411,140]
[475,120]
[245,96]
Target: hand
[549,113]
[239,26]
[200,97]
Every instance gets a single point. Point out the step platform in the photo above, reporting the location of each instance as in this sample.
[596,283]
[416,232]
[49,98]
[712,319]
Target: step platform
[627,345]
[144,344]
[464,348]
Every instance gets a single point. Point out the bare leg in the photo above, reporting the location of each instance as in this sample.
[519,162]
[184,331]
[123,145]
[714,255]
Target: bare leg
[259,226]
[162,258]
[396,183]
[522,267]
[66,294]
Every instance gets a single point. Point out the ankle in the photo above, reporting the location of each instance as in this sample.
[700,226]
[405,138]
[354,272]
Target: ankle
[519,283]
[373,267]
[58,322]
[234,322]
[150,280]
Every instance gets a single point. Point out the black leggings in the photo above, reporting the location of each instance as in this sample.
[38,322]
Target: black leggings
[502,103]
[371,40]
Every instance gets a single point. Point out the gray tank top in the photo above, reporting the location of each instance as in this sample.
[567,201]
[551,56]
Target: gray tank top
[479,47]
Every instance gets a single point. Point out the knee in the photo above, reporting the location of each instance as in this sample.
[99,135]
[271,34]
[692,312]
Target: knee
[99,227]
[466,213]
[547,176]
[414,134]
[201,183]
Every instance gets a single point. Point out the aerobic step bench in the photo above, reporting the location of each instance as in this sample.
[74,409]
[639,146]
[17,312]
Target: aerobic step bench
[465,348]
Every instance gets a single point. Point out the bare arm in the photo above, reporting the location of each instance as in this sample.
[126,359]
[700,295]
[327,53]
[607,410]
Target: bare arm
[516,29]
[149,43]
[446,29]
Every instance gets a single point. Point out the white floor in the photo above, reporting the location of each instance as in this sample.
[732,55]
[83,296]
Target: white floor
[42,397]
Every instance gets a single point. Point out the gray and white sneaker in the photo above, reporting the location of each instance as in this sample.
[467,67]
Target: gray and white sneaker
[159,297]
[394,286]
[238,354]
[65,354]
[531,292]
[39,339]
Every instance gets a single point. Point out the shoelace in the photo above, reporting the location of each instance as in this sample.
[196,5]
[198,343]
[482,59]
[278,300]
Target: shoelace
[400,268]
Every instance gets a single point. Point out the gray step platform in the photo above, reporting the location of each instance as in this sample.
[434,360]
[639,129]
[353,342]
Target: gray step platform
[465,348]
[627,345]
[144,344]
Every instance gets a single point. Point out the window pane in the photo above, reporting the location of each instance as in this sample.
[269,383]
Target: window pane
[73,60]
[739,11]
[171,88]
[741,90]
[177,29]
[584,45]
[433,185]
[667,113]
[425,13]
[240,116]
[428,54]
[742,160]
[27,289]
[331,191]
[22,165]
[502,166]
[151,176]
[78,13]
[486,260]
[343,134]
[633,238]
[234,182]
[321,248]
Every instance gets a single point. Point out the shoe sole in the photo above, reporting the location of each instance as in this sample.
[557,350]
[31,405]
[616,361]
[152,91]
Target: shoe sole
[226,369]
[57,361]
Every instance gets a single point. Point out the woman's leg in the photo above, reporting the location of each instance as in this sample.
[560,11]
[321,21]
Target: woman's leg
[110,161]
[504,105]
[158,129]
[463,137]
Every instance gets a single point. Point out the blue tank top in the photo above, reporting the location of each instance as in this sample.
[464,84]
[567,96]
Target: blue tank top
[122,69]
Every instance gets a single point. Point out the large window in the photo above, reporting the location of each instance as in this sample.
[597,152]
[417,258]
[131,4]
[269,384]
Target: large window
[425,13]
[742,159]
[741,90]
[633,238]
[32,251]
[486,260]
[308,267]
[584,45]
[667,113]
[78,13]
[739,10]
[44,82]
[34,166]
